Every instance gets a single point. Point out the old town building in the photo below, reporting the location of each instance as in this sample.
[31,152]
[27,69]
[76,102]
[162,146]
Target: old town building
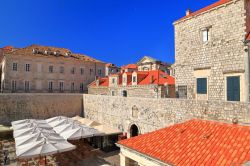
[148,78]
[149,84]
[148,63]
[47,69]
[212,59]
[111,68]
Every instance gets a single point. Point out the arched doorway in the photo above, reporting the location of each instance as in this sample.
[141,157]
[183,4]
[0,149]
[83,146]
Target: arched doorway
[124,93]
[134,131]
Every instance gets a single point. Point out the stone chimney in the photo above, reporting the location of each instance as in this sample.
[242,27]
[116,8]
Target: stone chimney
[188,12]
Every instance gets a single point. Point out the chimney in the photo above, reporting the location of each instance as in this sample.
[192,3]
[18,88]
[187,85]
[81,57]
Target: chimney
[151,79]
[188,12]
[97,82]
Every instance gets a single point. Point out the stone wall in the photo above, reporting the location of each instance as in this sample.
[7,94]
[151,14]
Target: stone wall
[152,114]
[39,106]
[223,54]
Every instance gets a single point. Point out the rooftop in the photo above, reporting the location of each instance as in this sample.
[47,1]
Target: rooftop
[195,142]
[214,5]
[36,50]
[143,78]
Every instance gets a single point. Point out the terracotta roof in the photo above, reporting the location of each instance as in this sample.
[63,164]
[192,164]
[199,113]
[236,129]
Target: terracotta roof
[130,66]
[144,78]
[216,4]
[102,82]
[35,50]
[195,142]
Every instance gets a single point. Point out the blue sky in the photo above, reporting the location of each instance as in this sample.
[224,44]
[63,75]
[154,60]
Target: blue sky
[117,31]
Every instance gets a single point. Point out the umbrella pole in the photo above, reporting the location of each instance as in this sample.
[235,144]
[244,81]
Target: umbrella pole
[45,161]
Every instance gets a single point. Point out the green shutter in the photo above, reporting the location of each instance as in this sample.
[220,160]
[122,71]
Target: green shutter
[233,88]
[201,85]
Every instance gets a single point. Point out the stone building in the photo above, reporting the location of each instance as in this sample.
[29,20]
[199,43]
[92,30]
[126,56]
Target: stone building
[111,68]
[148,63]
[149,84]
[47,69]
[212,59]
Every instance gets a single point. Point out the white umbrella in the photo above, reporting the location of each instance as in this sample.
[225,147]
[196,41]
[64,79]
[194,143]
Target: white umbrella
[61,122]
[43,148]
[79,131]
[57,118]
[28,131]
[37,137]
[27,121]
[31,125]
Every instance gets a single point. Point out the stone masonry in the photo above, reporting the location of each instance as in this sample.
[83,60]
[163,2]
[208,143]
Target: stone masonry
[38,106]
[150,114]
[224,54]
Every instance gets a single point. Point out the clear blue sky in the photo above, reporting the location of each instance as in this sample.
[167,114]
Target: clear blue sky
[117,31]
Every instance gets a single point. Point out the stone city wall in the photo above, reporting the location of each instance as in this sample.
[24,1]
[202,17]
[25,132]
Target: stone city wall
[151,114]
[39,106]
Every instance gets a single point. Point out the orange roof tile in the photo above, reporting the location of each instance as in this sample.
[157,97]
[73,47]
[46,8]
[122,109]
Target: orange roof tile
[102,82]
[195,142]
[130,66]
[144,78]
[216,4]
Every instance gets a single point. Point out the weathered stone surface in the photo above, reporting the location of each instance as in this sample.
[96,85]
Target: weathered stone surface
[151,114]
[39,106]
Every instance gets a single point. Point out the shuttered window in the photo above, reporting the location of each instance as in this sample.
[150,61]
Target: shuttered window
[201,85]
[233,88]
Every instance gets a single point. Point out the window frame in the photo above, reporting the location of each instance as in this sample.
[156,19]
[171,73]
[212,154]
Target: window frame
[27,67]
[51,69]
[14,66]
[199,88]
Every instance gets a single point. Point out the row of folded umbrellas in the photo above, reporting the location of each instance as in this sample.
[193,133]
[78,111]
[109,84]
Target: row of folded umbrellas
[35,138]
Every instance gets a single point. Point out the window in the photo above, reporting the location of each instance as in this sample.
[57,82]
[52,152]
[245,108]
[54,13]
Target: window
[13,86]
[113,80]
[81,87]
[51,69]
[61,69]
[182,92]
[112,93]
[201,85]
[73,70]
[99,72]
[14,67]
[72,87]
[90,71]
[233,88]
[82,71]
[61,87]
[27,67]
[50,86]
[26,86]
[134,78]
[124,80]
[205,35]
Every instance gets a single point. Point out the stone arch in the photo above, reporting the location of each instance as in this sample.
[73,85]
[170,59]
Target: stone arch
[134,130]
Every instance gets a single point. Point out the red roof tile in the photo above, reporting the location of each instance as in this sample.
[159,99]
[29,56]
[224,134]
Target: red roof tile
[216,4]
[195,142]
[130,66]
[143,78]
